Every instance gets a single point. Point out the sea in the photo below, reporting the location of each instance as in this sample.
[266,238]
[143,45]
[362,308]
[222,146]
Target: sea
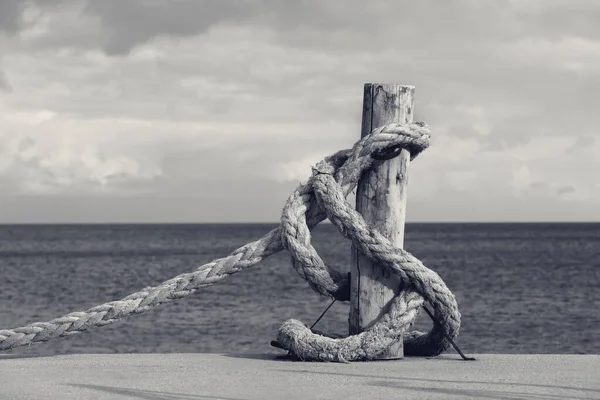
[521,288]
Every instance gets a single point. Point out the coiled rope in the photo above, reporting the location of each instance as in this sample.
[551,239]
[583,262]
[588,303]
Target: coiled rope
[323,196]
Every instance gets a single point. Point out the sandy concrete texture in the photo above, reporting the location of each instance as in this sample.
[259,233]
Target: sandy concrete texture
[263,377]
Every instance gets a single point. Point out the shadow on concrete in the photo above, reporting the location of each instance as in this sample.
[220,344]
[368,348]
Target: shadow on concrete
[150,394]
[285,357]
[262,356]
[478,393]
[22,356]
[396,378]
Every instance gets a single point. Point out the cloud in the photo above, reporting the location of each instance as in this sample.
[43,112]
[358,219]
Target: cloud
[219,102]
[61,162]
[135,22]
[10,11]
[558,18]
[4,84]
[569,53]
[565,190]
[332,25]
[56,153]
[341,27]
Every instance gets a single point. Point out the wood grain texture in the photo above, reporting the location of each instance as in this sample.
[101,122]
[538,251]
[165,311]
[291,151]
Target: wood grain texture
[381,199]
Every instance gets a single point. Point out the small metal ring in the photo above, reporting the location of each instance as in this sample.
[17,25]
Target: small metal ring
[388,154]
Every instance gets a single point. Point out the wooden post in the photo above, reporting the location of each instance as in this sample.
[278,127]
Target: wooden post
[381,199]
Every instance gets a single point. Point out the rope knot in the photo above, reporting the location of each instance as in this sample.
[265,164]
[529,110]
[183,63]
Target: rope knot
[333,179]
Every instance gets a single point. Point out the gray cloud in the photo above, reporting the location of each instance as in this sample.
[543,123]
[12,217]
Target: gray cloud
[4,84]
[11,12]
[336,26]
[10,16]
[581,142]
[565,190]
[363,42]
[558,18]
[213,102]
[349,25]
[134,22]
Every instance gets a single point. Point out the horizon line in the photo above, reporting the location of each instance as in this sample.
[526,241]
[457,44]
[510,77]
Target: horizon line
[277,223]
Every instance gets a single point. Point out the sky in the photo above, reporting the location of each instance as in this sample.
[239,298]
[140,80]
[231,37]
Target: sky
[214,111]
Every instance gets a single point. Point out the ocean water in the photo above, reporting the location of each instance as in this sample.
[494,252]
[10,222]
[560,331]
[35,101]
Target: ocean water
[521,288]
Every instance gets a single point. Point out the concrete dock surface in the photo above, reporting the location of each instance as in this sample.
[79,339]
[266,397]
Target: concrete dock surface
[263,377]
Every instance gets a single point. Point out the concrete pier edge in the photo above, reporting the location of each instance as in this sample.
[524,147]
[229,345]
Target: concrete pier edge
[248,377]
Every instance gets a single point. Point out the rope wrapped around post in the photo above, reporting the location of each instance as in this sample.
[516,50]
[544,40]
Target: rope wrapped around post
[323,196]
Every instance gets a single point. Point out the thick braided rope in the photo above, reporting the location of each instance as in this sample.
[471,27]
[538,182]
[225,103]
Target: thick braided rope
[386,137]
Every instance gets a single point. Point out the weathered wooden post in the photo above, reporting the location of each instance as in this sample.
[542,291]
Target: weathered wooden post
[381,199]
